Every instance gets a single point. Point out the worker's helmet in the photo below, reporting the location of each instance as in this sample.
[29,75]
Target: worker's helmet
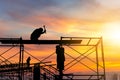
[41,29]
[58,46]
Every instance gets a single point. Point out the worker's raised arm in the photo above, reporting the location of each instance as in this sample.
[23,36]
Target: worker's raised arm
[44,29]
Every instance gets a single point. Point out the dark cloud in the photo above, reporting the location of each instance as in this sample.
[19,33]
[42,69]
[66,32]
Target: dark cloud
[32,4]
[16,10]
[23,7]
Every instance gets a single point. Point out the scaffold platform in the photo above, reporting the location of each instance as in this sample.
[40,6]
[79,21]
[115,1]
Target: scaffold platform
[81,47]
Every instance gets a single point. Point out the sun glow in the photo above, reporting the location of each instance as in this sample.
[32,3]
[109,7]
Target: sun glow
[112,32]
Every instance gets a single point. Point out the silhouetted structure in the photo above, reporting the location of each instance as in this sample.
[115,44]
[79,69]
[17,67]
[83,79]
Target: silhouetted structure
[19,71]
[28,61]
[37,33]
[60,59]
[63,42]
[36,72]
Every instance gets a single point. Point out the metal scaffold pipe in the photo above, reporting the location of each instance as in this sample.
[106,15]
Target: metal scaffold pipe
[14,41]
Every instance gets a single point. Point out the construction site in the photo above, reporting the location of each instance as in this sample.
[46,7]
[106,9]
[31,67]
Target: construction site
[84,52]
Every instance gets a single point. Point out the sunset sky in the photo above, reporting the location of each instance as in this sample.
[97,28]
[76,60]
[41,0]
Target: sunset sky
[73,18]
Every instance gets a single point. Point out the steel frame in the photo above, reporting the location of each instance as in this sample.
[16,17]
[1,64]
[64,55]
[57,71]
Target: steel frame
[95,42]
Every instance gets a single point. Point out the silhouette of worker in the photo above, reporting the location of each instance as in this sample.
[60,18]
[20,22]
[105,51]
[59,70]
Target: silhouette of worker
[60,59]
[37,33]
[28,61]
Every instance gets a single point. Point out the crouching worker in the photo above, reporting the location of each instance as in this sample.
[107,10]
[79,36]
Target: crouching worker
[37,33]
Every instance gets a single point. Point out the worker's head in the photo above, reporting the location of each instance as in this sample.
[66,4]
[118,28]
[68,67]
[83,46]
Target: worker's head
[41,29]
[58,46]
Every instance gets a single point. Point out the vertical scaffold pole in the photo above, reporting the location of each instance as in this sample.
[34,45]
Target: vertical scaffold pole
[36,72]
[103,58]
[21,58]
[97,62]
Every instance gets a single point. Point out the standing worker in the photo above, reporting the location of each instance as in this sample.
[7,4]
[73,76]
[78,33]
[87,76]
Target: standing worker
[28,61]
[60,59]
[37,33]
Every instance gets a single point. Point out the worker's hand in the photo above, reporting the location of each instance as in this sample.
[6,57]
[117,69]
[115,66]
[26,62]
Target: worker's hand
[44,26]
[44,29]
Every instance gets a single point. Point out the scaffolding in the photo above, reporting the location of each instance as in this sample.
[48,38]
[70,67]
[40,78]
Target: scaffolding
[92,52]
[84,52]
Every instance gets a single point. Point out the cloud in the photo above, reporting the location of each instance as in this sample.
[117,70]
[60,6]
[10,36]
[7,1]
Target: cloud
[23,7]
[77,9]
[76,16]
[69,8]
[110,3]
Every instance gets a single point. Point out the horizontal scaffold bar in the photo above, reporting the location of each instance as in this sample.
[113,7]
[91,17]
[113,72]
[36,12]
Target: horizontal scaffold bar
[7,41]
[15,69]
